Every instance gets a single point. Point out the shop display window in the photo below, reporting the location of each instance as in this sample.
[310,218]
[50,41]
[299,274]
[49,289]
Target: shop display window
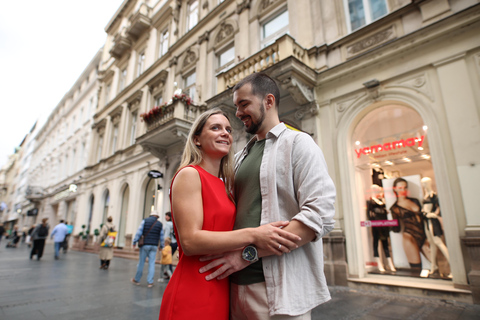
[401,223]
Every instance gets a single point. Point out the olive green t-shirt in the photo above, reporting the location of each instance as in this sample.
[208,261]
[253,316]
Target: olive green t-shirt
[249,207]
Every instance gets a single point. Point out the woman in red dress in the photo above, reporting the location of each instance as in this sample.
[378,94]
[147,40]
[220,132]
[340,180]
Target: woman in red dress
[203,213]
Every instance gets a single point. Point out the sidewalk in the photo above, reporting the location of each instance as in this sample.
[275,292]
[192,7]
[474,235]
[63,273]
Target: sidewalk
[74,288]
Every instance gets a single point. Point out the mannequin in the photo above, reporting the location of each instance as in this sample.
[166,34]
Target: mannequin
[433,227]
[376,210]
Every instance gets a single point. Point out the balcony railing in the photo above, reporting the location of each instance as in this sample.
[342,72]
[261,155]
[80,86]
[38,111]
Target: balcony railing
[180,107]
[281,49]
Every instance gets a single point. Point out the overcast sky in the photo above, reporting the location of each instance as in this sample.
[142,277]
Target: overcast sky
[44,48]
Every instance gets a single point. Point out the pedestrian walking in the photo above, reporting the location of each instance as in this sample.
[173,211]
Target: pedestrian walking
[39,235]
[29,236]
[2,231]
[67,237]
[60,232]
[149,232]
[106,245]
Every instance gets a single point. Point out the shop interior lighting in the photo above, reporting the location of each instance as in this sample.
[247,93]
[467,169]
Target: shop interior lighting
[424,128]
[390,163]
[420,148]
[407,159]
[357,143]
[425,156]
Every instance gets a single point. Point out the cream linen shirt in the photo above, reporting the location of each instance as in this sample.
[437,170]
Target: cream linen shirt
[294,184]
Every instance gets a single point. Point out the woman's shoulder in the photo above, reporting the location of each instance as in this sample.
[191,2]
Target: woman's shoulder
[187,175]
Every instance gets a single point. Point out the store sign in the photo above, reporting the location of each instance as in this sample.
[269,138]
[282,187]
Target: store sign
[379,223]
[65,193]
[155,174]
[402,143]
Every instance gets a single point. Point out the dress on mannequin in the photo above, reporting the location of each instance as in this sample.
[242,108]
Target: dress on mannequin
[433,227]
[376,210]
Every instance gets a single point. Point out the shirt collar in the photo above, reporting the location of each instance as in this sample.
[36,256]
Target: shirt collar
[273,133]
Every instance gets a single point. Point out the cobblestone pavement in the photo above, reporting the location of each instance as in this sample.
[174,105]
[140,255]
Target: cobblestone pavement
[75,288]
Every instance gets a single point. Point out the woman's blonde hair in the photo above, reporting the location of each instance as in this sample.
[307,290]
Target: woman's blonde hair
[192,155]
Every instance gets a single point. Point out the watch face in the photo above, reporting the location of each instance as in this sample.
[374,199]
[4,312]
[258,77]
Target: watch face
[249,253]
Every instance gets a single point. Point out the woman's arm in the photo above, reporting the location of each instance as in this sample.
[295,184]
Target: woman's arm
[187,209]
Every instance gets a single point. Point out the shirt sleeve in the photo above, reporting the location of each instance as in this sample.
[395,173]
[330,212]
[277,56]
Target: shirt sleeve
[314,188]
[139,232]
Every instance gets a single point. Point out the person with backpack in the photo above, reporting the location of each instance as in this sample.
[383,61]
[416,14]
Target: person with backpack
[39,234]
[60,232]
[106,250]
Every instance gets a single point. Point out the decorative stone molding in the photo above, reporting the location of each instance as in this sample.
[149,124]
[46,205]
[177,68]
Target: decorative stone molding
[265,4]
[116,114]
[226,31]
[309,109]
[346,103]
[157,82]
[135,98]
[203,37]
[180,133]
[154,150]
[173,61]
[418,83]
[300,92]
[371,41]
[245,4]
[189,60]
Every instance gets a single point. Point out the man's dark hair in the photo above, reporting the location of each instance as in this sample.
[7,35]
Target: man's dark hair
[61,221]
[168,214]
[261,86]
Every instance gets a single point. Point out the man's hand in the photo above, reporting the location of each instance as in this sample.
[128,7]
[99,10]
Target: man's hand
[229,263]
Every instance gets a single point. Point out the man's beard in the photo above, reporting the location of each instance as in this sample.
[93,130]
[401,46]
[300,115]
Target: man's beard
[255,126]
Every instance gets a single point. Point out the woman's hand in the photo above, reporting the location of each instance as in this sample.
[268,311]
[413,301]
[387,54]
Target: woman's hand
[272,239]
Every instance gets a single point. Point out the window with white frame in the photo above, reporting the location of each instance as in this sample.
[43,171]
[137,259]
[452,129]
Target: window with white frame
[189,85]
[158,100]
[163,44]
[133,127]
[141,63]
[114,138]
[192,14]
[226,57]
[123,79]
[273,28]
[363,12]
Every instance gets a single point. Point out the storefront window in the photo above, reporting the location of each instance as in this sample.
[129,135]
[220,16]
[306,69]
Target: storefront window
[401,223]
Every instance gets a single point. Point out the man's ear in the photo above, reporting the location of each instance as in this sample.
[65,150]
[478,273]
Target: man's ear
[269,101]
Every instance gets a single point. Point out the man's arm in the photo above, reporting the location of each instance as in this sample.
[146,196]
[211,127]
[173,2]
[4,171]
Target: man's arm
[139,233]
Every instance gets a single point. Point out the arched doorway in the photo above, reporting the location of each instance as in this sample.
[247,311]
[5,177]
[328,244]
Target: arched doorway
[106,203]
[150,195]
[395,185]
[90,211]
[123,217]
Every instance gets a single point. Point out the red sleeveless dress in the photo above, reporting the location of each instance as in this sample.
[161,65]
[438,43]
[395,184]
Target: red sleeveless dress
[188,295]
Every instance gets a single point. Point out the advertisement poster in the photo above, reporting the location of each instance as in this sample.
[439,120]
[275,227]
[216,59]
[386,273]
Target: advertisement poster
[403,197]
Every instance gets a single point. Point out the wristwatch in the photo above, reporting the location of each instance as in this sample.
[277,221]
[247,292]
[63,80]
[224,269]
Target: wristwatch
[250,254]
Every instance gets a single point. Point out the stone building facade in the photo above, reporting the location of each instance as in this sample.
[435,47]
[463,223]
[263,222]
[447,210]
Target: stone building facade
[385,87]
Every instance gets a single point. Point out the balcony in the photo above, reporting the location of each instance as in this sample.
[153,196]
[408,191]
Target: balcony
[284,47]
[139,22]
[121,43]
[168,124]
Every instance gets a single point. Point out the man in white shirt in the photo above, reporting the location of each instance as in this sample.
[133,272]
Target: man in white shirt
[60,232]
[280,175]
